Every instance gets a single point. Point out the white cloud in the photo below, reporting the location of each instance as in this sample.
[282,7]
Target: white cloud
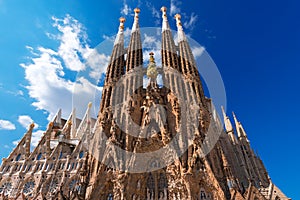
[190,24]
[189,20]
[6,125]
[36,137]
[126,9]
[198,51]
[155,13]
[25,121]
[98,63]
[15,93]
[45,73]
[73,47]
[151,43]
[174,7]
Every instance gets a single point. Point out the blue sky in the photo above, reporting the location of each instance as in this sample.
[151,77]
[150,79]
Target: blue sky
[255,44]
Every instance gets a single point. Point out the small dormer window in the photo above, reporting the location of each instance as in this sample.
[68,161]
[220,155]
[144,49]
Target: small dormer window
[39,156]
[18,157]
[81,154]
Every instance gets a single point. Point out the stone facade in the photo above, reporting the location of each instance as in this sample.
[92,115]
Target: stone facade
[80,159]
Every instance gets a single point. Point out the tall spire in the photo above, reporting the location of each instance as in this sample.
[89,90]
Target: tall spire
[135,26]
[228,127]
[28,139]
[168,48]
[165,24]
[134,53]
[239,128]
[115,68]
[85,124]
[120,35]
[181,34]
[187,63]
[117,60]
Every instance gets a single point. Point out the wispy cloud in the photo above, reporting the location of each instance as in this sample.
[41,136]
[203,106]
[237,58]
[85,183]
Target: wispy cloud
[16,93]
[151,43]
[36,137]
[198,51]
[73,47]
[25,121]
[190,24]
[155,13]
[174,7]
[6,125]
[126,9]
[189,20]
[45,71]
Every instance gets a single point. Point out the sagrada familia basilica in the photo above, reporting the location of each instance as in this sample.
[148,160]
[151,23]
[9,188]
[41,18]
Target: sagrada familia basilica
[165,142]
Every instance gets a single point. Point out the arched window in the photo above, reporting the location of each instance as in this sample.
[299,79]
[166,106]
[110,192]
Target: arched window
[150,187]
[29,168]
[110,197]
[81,154]
[162,181]
[277,198]
[18,157]
[39,156]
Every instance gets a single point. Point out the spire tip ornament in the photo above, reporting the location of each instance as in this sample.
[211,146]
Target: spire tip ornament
[31,126]
[163,9]
[122,19]
[137,10]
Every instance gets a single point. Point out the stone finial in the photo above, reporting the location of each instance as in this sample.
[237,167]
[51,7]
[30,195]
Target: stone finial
[50,125]
[31,126]
[163,9]
[137,10]
[181,35]
[165,25]
[122,20]
[135,25]
[178,19]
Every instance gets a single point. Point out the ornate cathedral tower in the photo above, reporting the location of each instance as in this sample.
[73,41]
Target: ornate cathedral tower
[147,142]
[150,120]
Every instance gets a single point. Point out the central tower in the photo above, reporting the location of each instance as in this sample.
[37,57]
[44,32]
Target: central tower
[140,121]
